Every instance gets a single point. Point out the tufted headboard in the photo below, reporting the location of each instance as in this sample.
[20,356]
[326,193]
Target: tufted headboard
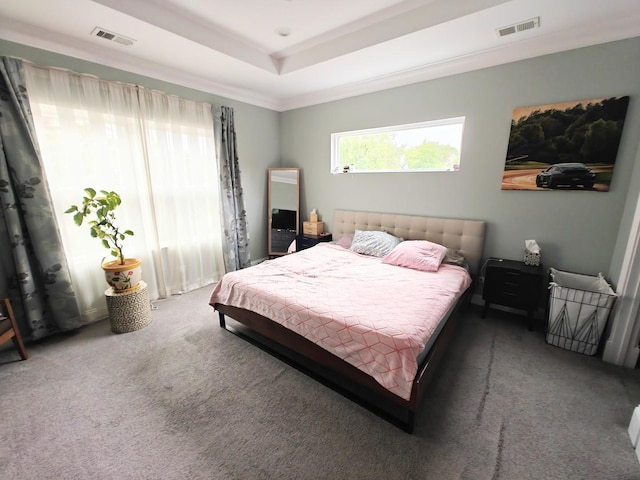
[466,236]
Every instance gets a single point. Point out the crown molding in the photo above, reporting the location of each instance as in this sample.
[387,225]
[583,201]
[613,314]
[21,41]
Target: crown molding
[511,52]
[64,45]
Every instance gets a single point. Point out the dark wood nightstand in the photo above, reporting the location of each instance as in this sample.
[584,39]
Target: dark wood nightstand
[512,284]
[308,241]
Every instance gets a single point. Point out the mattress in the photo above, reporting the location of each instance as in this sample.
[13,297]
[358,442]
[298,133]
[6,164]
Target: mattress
[375,316]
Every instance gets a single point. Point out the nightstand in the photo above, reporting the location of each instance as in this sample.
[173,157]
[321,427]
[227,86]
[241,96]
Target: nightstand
[512,284]
[308,241]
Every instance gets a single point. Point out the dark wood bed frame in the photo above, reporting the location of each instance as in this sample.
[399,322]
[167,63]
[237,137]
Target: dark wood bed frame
[332,370]
[376,398]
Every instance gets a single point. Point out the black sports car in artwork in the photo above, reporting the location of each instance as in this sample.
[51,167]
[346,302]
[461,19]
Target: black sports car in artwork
[566,175]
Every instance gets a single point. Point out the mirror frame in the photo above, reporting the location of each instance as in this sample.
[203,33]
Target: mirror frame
[273,171]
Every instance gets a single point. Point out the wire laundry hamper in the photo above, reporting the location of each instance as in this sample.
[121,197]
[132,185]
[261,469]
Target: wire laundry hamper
[579,307]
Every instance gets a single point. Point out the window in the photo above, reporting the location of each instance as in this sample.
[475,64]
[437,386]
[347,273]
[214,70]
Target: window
[157,151]
[432,146]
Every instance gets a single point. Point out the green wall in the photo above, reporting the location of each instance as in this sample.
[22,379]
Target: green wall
[577,231]
[257,129]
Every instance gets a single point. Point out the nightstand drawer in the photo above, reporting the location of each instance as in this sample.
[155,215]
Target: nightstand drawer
[508,299]
[505,280]
[505,275]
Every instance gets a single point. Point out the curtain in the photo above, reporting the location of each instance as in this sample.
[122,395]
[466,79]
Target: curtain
[35,274]
[234,216]
[157,152]
[185,193]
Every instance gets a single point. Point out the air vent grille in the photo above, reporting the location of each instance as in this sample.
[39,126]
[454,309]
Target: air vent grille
[113,37]
[518,27]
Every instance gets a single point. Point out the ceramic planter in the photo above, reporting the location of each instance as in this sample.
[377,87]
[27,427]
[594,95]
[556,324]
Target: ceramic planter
[123,278]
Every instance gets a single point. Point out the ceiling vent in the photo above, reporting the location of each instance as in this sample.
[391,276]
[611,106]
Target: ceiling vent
[518,27]
[112,37]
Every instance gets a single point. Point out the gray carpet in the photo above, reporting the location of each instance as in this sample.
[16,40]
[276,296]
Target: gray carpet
[183,399]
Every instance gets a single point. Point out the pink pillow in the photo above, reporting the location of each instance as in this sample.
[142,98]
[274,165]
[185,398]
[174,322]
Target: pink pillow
[345,241]
[417,254]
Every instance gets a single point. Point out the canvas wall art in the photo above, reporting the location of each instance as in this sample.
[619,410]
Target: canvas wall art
[565,146]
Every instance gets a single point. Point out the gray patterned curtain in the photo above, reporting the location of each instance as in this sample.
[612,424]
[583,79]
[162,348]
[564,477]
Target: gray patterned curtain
[234,216]
[33,267]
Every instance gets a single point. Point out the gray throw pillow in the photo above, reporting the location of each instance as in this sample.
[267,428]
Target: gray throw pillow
[373,243]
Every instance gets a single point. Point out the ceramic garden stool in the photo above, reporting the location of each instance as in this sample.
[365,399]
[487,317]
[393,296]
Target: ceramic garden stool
[129,311]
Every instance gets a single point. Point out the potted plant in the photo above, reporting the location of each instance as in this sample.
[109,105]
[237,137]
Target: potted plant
[122,274]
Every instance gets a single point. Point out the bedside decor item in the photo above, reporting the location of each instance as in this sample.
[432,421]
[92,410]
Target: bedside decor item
[532,259]
[565,146]
[312,228]
[532,253]
[122,274]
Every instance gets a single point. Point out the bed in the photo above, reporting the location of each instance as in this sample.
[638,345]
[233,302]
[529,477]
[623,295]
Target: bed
[362,323]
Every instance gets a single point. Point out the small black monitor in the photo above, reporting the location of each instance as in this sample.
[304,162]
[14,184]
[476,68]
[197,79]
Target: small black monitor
[283,219]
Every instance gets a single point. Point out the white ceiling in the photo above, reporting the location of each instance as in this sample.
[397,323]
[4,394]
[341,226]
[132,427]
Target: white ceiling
[334,49]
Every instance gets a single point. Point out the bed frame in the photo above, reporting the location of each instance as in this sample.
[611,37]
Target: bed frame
[466,236]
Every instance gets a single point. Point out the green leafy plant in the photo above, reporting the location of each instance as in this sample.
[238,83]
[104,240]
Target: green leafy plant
[103,226]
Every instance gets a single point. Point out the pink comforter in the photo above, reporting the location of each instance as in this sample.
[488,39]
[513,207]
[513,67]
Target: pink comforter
[375,316]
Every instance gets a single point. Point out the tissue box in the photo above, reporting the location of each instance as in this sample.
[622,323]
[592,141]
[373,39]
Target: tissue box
[313,218]
[312,228]
[532,259]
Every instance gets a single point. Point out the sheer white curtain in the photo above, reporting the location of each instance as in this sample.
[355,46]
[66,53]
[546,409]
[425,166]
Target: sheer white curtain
[157,152]
[185,197]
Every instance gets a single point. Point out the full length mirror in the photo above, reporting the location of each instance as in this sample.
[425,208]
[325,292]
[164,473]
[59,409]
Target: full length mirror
[284,209]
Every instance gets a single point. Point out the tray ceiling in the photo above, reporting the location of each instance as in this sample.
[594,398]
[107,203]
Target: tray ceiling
[284,54]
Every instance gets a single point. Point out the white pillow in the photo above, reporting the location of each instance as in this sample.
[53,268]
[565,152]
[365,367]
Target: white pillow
[374,243]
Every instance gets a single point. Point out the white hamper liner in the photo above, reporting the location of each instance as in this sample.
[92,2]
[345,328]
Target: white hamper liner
[579,307]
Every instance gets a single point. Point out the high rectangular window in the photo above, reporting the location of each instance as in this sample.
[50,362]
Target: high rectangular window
[432,146]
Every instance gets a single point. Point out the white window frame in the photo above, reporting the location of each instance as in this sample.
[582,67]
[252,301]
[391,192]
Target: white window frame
[337,166]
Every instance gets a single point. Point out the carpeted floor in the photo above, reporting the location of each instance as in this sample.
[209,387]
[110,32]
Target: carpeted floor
[183,399]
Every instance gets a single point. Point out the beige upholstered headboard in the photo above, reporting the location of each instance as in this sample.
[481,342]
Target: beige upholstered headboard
[466,236]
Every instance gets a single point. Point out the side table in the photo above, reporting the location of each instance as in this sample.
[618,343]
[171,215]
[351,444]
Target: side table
[513,284]
[128,311]
[305,241]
